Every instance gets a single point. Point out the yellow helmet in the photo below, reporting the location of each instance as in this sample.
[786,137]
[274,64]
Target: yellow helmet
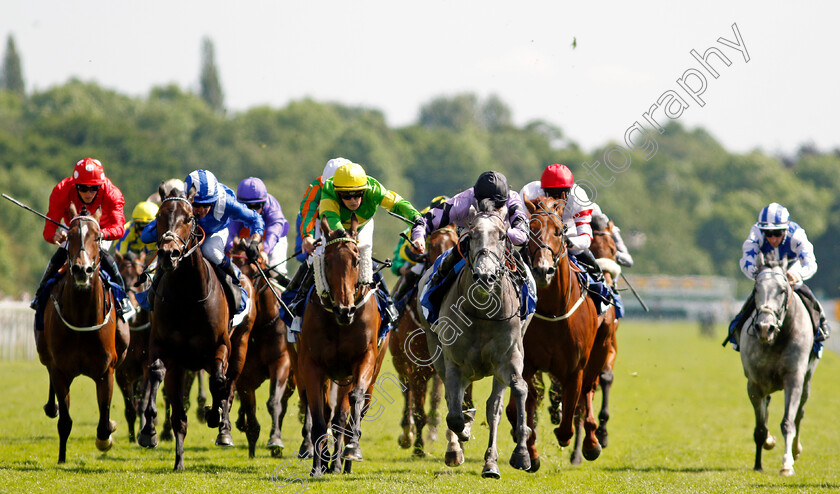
[144,212]
[350,177]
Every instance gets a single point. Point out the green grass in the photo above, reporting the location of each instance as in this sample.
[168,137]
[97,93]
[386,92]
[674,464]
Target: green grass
[681,422]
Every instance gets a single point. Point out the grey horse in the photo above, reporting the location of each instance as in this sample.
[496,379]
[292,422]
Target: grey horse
[776,352]
[479,334]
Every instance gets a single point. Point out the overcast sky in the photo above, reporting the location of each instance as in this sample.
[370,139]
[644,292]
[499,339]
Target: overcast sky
[395,56]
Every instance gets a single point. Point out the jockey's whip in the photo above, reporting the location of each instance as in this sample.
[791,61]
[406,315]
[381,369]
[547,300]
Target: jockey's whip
[270,287]
[399,216]
[24,206]
[297,253]
[644,306]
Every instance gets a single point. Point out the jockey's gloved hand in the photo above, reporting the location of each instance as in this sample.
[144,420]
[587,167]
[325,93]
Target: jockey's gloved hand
[252,250]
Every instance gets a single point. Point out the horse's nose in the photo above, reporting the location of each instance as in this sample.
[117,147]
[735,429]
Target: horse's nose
[174,254]
[486,279]
[75,269]
[89,270]
[550,271]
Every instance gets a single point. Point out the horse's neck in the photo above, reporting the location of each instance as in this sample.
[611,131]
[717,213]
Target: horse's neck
[194,271]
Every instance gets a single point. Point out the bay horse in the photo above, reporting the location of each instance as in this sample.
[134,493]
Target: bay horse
[776,353]
[563,338]
[267,358]
[479,334]
[338,342]
[409,352]
[82,334]
[189,323]
[131,372]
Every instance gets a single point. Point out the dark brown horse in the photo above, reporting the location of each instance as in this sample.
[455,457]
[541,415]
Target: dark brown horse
[338,341]
[563,334]
[82,334]
[604,249]
[410,352]
[131,372]
[267,358]
[189,323]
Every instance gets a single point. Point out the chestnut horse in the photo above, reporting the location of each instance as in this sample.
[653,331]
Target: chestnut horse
[563,333]
[410,352]
[189,323]
[82,334]
[338,341]
[267,358]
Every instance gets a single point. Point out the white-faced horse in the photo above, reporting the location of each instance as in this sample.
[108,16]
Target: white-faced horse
[776,352]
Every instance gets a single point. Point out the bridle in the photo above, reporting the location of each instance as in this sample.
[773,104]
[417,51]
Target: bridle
[328,302]
[778,314]
[70,258]
[474,255]
[170,235]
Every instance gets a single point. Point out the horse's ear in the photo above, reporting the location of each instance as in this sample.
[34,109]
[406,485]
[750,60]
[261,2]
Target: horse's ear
[118,257]
[354,225]
[141,257]
[325,226]
[530,206]
[72,209]
[759,261]
[97,214]
[162,190]
[785,262]
[471,214]
[190,193]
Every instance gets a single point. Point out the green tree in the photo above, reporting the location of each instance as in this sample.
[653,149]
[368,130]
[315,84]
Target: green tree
[211,87]
[11,78]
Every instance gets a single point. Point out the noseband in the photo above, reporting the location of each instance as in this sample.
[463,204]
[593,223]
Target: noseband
[555,256]
[329,304]
[82,241]
[170,235]
[473,256]
[778,314]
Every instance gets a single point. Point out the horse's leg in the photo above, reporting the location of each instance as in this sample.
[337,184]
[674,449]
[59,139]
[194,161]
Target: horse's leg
[276,404]
[306,446]
[605,381]
[418,393]
[555,401]
[174,385]
[343,432]
[248,405]
[591,449]
[570,396]
[201,399]
[436,394]
[166,433]
[793,398]
[65,423]
[224,438]
[219,390]
[494,413]
[148,435]
[104,392]
[51,407]
[405,439]
[358,398]
[531,405]
[577,455]
[455,386]
[314,383]
[759,403]
[806,392]
[454,450]
[127,390]
[520,458]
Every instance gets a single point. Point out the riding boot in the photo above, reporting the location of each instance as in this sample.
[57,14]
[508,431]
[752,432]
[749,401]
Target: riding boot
[391,316]
[588,260]
[233,284]
[124,308]
[58,259]
[445,267]
[306,282]
[821,328]
[746,310]
[407,282]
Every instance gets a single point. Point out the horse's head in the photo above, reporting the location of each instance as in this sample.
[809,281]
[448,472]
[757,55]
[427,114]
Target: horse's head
[240,258]
[131,266]
[440,241]
[175,228]
[488,239]
[341,268]
[547,240]
[772,297]
[83,240]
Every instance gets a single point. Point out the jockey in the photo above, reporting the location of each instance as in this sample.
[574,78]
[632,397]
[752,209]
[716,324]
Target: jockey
[252,193]
[490,193]
[557,182]
[775,235]
[308,226]
[351,191]
[214,206]
[143,214]
[90,189]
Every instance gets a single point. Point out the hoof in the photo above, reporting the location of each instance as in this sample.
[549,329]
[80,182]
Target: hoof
[201,413]
[306,452]
[406,440]
[535,465]
[576,458]
[491,471]
[418,453]
[592,454]
[51,410]
[104,444]
[563,442]
[520,461]
[276,452]
[224,440]
[275,442]
[769,443]
[147,440]
[432,435]
[166,435]
[601,434]
[214,417]
[352,453]
[454,458]
[786,472]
